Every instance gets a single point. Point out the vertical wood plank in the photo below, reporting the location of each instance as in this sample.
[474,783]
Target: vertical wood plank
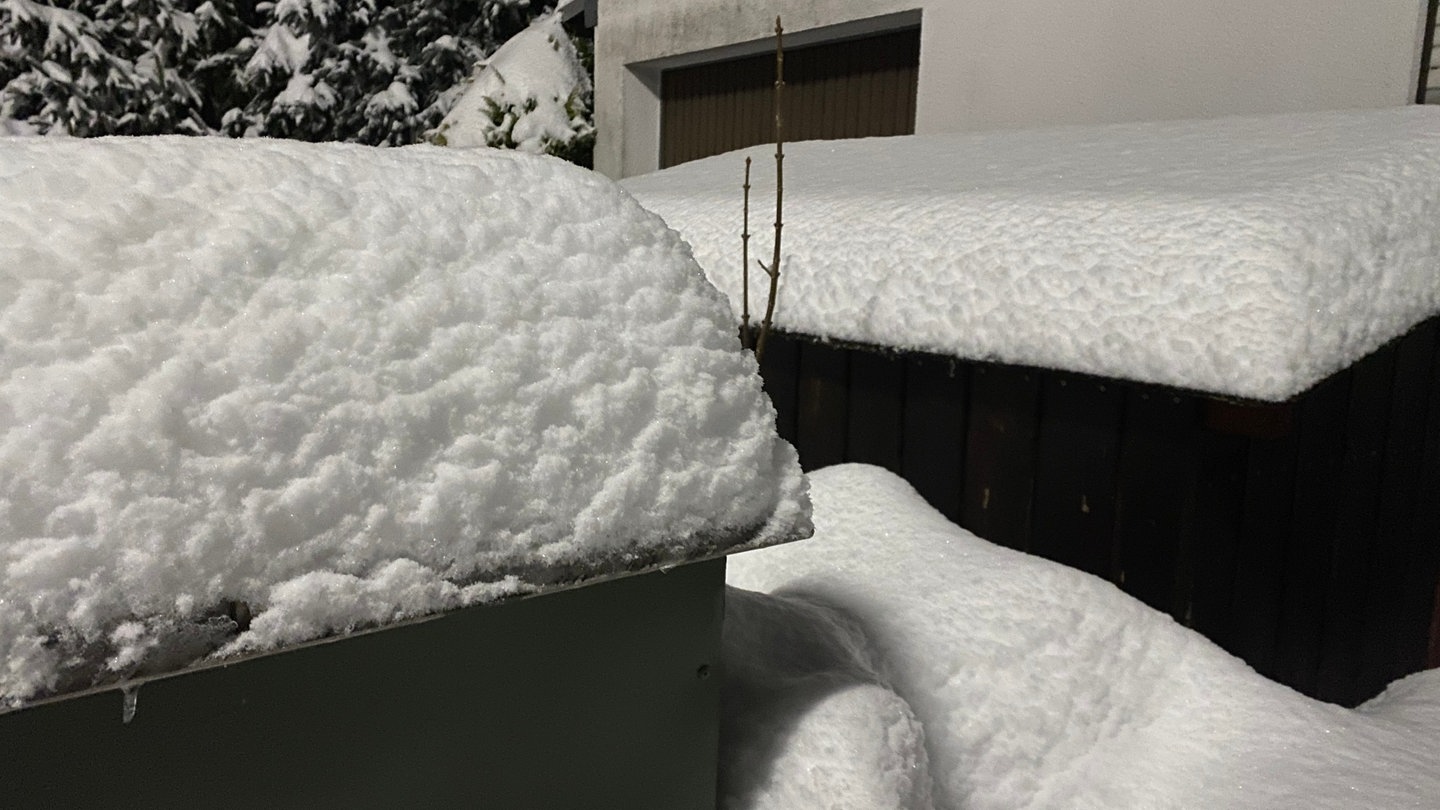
[844,87]
[1396,610]
[781,371]
[704,139]
[681,120]
[1000,454]
[759,91]
[831,88]
[911,90]
[882,88]
[1219,518]
[899,88]
[1156,497]
[1318,462]
[904,55]
[686,119]
[1260,568]
[1426,533]
[857,124]
[1078,448]
[821,430]
[1428,57]
[1353,541]
[1432,655]
[668,109]
[807,118]
[876,409]
[793,98]
[933,435]
[800,64]
[729,125]
[692,143]
[867,117]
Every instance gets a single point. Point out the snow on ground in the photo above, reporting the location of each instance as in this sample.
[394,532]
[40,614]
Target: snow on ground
[535,81]
[344,385]
[895,660]
[1243,256]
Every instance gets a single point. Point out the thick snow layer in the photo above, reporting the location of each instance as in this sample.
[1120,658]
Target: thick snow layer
[343,386]
[908,662]
[535,81]
[1245,256]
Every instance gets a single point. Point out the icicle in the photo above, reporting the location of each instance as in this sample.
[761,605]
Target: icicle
[129,693]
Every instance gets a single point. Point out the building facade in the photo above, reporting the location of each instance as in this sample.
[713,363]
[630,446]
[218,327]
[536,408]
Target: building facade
[986,64]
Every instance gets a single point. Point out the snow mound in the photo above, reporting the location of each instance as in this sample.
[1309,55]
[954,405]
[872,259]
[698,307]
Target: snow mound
[1036,685]
[808,715]
[1249,257]
[310,388]
[529,95]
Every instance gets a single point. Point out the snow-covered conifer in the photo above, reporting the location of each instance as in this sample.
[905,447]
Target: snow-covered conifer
[373,71]
[116,67]
[366,71]
[533,94]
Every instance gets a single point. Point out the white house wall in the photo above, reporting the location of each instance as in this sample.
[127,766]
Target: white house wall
[994,64]
[1037,62]
[636,39]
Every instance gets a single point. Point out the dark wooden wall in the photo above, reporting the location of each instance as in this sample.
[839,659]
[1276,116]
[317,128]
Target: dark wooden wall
[1302,537]
[850,89]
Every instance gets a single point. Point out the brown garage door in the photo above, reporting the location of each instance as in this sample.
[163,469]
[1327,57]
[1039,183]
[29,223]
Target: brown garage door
[850,89]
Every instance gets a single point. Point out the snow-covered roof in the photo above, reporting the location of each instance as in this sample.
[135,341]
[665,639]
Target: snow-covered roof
[897,661]
[345,386]
[1249,257]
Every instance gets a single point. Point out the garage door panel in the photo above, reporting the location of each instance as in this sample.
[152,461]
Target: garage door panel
[849,89]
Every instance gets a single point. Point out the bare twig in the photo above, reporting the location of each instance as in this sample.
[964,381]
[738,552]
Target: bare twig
[747,340]
[774,269]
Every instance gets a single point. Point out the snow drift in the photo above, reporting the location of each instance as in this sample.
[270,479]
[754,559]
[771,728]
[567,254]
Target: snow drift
[897,661]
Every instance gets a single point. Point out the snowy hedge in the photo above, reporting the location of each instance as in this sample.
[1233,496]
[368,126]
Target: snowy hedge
[342,386]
